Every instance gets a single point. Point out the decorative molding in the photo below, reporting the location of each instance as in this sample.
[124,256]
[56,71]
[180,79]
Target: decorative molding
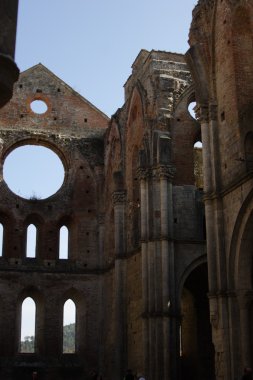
[143,173]
[202,113]
[164,172]
[118,197]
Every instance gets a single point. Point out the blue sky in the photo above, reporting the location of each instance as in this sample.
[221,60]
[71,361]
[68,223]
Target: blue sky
[91,44]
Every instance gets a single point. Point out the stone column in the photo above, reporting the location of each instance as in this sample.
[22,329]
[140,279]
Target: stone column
[166,174]
[245,300]
[8,69]
[143,175]
[119,199]
[203,117]
[202,113]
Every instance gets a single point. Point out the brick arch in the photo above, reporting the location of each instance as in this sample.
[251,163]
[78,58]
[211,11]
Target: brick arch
[185,132]
[197,351]
[135,146]
[188,270]
[40,141]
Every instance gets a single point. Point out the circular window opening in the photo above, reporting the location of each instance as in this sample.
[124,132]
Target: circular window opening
[38,106]
[33,172]
[191,109]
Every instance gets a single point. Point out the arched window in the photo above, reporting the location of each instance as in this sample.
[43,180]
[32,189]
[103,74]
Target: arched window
[69,327]
[64,243]
[28,317]
[1,239]
[31,238]
[198,165]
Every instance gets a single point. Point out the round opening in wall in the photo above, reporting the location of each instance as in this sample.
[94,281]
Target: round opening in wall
[33,172]
[38,106]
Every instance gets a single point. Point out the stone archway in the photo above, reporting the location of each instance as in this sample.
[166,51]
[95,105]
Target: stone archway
[196,348]
[244,287]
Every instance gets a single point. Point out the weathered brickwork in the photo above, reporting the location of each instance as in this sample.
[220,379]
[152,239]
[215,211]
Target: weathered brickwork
[221,64]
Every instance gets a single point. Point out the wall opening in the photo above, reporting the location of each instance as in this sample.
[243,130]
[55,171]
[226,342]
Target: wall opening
[197,352]
[64,243]
[191,109]
[28,318]
[31,239]
[69,327]
[33,172]
[39,106]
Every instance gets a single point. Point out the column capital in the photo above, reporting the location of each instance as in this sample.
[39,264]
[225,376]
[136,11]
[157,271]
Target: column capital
[164,171]
[118,197]
[143,173]
[202,113]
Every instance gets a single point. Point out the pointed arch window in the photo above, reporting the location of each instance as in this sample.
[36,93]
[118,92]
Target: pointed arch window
[31,239]
[64,243]
[1,239]
[69,327]
[27,333]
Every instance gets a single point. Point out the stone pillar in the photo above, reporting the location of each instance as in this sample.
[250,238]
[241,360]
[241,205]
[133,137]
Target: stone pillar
[143,175]
[119,199]
[166,174]
[8,70]
[203,117]
[245,300]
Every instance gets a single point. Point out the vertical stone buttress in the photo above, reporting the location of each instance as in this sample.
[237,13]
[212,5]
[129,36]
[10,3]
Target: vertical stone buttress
[143,175]
[165,173]
[159,322]
[119,199]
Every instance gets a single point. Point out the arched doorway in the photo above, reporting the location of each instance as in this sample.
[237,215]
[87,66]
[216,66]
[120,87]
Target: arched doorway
[196,348]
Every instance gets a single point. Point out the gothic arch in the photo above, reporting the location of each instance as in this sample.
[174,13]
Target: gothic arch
[39,299]
[195,329]
[78,298]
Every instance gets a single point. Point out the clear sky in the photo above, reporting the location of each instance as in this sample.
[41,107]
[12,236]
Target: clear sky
[91,44]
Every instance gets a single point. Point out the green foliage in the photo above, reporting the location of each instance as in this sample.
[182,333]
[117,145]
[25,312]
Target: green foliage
[27,345]
[69,332]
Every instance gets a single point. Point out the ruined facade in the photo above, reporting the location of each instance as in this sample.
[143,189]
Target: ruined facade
[220,59]
[154,255]
[132,204]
